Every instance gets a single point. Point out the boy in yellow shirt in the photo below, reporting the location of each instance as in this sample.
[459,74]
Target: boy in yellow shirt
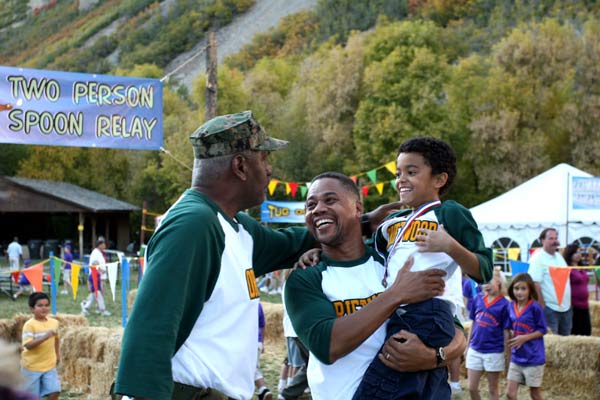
[41,352]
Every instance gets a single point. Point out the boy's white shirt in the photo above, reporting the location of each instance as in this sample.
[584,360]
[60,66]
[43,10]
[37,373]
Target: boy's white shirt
[425,260]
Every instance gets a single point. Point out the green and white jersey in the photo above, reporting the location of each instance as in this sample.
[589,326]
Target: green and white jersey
[457,221]
[195,318]
[314,298]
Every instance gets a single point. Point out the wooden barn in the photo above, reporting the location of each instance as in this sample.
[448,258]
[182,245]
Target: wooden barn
[44,215]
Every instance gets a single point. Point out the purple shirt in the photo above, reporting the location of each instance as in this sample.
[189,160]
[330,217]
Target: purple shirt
[579,289]
[68,257]
[261,322]
[527,321]
[489,320]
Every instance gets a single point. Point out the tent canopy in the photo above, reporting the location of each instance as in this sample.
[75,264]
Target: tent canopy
[541,202]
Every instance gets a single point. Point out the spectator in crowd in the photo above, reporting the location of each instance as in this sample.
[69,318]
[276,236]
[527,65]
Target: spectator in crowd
[486,338]
[68,257]
[559,316]
[24,284]
[14,253]
[41,352]
[262,391]
[525,330]
[579,278]
[95,286]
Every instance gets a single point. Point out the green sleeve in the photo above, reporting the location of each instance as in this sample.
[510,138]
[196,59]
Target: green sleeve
[183,264]
[276,249]
[459,223]
[310,311]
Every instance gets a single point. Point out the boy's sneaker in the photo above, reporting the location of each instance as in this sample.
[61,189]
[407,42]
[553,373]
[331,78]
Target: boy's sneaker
[455,387]
[106,313]
[264,394]
[84,310]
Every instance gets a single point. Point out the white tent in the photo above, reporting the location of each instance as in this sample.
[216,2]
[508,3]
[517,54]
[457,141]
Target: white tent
[542,202]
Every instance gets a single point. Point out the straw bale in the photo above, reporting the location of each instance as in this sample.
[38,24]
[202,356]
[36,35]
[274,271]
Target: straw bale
[64,320]
[131,298]
[6,329]
[572,364]
[274,322]
[595,317]
[89,358]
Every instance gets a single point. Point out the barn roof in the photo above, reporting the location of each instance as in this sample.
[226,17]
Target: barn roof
[73,194]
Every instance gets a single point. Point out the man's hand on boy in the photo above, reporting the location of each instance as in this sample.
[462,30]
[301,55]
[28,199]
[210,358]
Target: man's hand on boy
[309,259]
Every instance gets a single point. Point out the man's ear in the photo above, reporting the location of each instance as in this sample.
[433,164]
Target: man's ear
[441,179]
[239,166]
[359,208]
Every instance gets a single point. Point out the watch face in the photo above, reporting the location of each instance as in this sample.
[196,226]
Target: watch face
[442,353]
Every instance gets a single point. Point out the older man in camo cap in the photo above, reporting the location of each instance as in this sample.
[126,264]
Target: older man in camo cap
[193,330]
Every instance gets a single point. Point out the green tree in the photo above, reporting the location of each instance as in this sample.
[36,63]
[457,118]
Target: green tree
[517,123]
[403,92]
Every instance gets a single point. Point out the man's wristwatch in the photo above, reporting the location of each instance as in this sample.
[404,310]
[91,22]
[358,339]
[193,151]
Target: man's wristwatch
[440,356]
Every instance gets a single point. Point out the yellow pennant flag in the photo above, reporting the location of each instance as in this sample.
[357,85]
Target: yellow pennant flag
[513,253]
[272,186]
[75,278]
[288,189]
[391,166]
[379,187]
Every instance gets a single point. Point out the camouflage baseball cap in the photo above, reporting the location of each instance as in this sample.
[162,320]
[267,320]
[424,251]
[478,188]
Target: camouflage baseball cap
[230,134]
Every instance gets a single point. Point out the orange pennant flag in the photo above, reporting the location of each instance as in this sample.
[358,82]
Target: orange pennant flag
[142,265]
[272,185]
[560,276]
[353,177]
[95,279]
[15,276]
[34,276]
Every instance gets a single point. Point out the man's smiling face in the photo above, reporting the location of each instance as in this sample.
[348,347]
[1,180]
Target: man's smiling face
[331,209]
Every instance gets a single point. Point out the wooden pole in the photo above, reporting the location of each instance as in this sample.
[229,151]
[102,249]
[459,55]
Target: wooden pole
[143,227]
[211,76]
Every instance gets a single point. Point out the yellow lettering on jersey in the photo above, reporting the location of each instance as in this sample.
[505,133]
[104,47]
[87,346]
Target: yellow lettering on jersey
[345,307]
[251,283]
[410,235]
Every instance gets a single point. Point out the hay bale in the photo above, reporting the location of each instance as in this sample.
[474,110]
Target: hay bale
[6,329]
[131,298]
[595,317]
[572,365]
[89,358]
[64,320]
[274,322]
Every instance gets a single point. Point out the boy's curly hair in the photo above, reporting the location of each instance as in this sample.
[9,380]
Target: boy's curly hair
[437,154]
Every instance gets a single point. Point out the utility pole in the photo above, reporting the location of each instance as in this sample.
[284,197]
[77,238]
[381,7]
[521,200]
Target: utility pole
[211,76]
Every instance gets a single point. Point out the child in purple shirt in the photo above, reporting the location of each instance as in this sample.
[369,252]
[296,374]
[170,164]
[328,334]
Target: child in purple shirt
[525,329]
[486,340]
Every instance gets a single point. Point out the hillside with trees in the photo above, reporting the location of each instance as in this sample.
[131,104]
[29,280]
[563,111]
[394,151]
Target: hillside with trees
[512,85]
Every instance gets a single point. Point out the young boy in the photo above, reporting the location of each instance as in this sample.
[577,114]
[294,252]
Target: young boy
[40,349]
[437,235]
